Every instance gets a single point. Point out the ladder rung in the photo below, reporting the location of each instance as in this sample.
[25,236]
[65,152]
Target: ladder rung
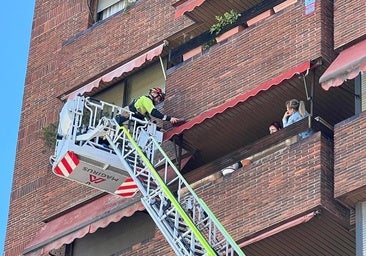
[186,222]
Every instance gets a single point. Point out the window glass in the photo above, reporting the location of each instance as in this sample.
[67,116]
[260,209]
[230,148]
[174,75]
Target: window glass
[107,8]
[116,237]
[147,78]
[134,86]
[113,94]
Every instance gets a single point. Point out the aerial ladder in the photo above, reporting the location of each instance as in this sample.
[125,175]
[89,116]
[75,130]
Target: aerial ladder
[94,150]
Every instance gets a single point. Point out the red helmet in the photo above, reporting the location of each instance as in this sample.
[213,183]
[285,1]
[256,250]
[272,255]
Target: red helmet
[159,92]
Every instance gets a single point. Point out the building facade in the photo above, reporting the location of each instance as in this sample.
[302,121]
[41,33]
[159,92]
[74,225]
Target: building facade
[295,196]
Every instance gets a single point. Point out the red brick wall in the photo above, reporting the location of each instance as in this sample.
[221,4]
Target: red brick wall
[100,48]
[287,183]
[327,28]
[349,21]
[254,56]
[64,54]
[350,164]
[275,188]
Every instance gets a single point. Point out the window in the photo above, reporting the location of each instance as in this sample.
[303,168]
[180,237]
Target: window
[107,8]
[116,237]
[134,86]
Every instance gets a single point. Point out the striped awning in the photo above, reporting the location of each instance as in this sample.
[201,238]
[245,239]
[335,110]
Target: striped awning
[241,98]
[186,6]
[129,66]
[349,63]
[87,219]
[77,224]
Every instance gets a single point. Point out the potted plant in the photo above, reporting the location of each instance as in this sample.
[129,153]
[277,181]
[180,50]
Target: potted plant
[49,135]
[191,53]
[224,20]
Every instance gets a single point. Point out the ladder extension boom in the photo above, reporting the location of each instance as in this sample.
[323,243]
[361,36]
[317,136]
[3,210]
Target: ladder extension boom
[102,154]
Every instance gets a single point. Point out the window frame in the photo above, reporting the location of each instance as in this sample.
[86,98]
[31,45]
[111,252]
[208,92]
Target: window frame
[107,8]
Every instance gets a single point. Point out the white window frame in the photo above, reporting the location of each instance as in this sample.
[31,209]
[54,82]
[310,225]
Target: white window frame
[107,8]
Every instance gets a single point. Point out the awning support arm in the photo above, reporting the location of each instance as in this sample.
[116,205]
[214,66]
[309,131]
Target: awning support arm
[162,67]
[309,98]
[305,84]
[166,43]
[178,149]
[350,92]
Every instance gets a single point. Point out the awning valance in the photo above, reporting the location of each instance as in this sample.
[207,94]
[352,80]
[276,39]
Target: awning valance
[241,98]
[136,62]
[78,223]
[279,229]
[349,63]
[187,6]
[87,219]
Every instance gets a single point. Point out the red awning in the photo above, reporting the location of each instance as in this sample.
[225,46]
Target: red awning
[87,219]
[347,65]
[76,224]
[187,6]
[241,98]
[137,62]
[279,229]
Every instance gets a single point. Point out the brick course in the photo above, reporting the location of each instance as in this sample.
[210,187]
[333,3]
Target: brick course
[271,190]
[260,54]
[349,21]
[350,155]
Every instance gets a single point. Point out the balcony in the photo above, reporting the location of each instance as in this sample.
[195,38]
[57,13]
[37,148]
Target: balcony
[243,84]
[349,161]
[204,17]
[283,202]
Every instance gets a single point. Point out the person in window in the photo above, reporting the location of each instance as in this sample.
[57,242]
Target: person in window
[144,107]
[272,128]
[295,111]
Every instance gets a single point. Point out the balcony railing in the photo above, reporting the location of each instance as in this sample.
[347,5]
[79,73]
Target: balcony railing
[175,55]
[262,145]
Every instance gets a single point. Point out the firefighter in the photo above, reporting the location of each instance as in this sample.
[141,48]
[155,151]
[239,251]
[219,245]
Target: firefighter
[144,107]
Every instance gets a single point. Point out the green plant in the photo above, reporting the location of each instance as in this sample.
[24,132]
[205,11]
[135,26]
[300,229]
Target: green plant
[49,135]
[208,44]
[227,18]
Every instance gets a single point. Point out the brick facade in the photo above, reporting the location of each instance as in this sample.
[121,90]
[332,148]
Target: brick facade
[349,20]
[271,190]
[225,73]
[65,54]
[349,166]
